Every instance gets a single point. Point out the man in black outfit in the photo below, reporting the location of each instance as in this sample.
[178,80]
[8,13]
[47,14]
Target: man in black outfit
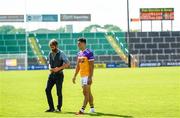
[57,62]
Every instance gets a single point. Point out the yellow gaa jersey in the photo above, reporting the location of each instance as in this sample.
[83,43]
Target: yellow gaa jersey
[83,58]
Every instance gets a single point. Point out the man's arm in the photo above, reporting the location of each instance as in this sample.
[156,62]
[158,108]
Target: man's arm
[48,61]
[65,65]
[91,71]
[76,72]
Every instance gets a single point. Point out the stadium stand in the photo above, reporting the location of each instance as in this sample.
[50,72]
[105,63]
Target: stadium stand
[159,48]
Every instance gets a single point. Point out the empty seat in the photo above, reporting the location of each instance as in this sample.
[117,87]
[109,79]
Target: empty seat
[67,41]
[13,48]
[146,40]
[1,37]
[53,36]
[96,47]
[103,40]
[71,47]
[150,57]
[92,41]
[111,52]
[107,46]
[100,52]
[22,48]
[100,35]
[9,37]
[41,36]
[2,43]
[3,48]
[77,35]
[43,42]
[65,35]
[120,34]
[21,42]
[73,52]
[10,42]
[20,36]
[134,40]
[163,57]
[89,35]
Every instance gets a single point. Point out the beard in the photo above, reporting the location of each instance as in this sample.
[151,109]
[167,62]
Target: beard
[54,50]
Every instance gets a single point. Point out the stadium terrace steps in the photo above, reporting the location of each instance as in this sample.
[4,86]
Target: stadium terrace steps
[117,48]
[37,51]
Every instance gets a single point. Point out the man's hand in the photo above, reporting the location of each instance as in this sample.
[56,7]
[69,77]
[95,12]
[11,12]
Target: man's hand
[55,70]
[74,80]
[51,70]
[89,81]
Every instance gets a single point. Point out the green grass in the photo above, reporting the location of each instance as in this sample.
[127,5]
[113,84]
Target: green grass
[140,92]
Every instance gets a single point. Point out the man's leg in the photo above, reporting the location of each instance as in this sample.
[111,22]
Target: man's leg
[50,84]
[86,94]
[86,98]
[59,83]
[91,101]
[86,88]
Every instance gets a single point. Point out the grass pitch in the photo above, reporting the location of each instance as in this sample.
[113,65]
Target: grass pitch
[139,92]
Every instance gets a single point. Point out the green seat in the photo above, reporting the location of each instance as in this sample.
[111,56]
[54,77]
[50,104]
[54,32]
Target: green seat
[73,52]
[96,47]
[20,36]
[71,47]
[100,35]
[21,42]
[88,46]
[1,37]
[31,54]
[77,35]
[68,41]
[119,34]
[103,40]
[62,47]
[3,49]
[43,42]
[111,52]
[44,47]
[65,35]
[10,42]
[89,35]
[92,41]
[13,52]
[13,48]
[53,36]
[100,52]
[46,52]
[2,43]
[22,48]
[107,46]
[9,37]
[41,36]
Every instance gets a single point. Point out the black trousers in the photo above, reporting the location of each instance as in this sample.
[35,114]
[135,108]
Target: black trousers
[54,78]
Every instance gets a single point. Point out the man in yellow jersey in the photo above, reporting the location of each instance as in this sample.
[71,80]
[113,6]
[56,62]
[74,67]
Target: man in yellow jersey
[85,65]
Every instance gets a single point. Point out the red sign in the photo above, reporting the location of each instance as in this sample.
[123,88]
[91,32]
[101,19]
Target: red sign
[157,14]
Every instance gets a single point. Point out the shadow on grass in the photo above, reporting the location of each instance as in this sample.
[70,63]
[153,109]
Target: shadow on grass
[99,114]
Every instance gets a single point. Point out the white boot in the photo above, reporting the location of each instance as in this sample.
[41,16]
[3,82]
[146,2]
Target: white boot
[92,110]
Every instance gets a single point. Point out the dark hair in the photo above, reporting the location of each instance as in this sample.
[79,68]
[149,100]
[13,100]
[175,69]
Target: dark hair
[82,40]
[53,42]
